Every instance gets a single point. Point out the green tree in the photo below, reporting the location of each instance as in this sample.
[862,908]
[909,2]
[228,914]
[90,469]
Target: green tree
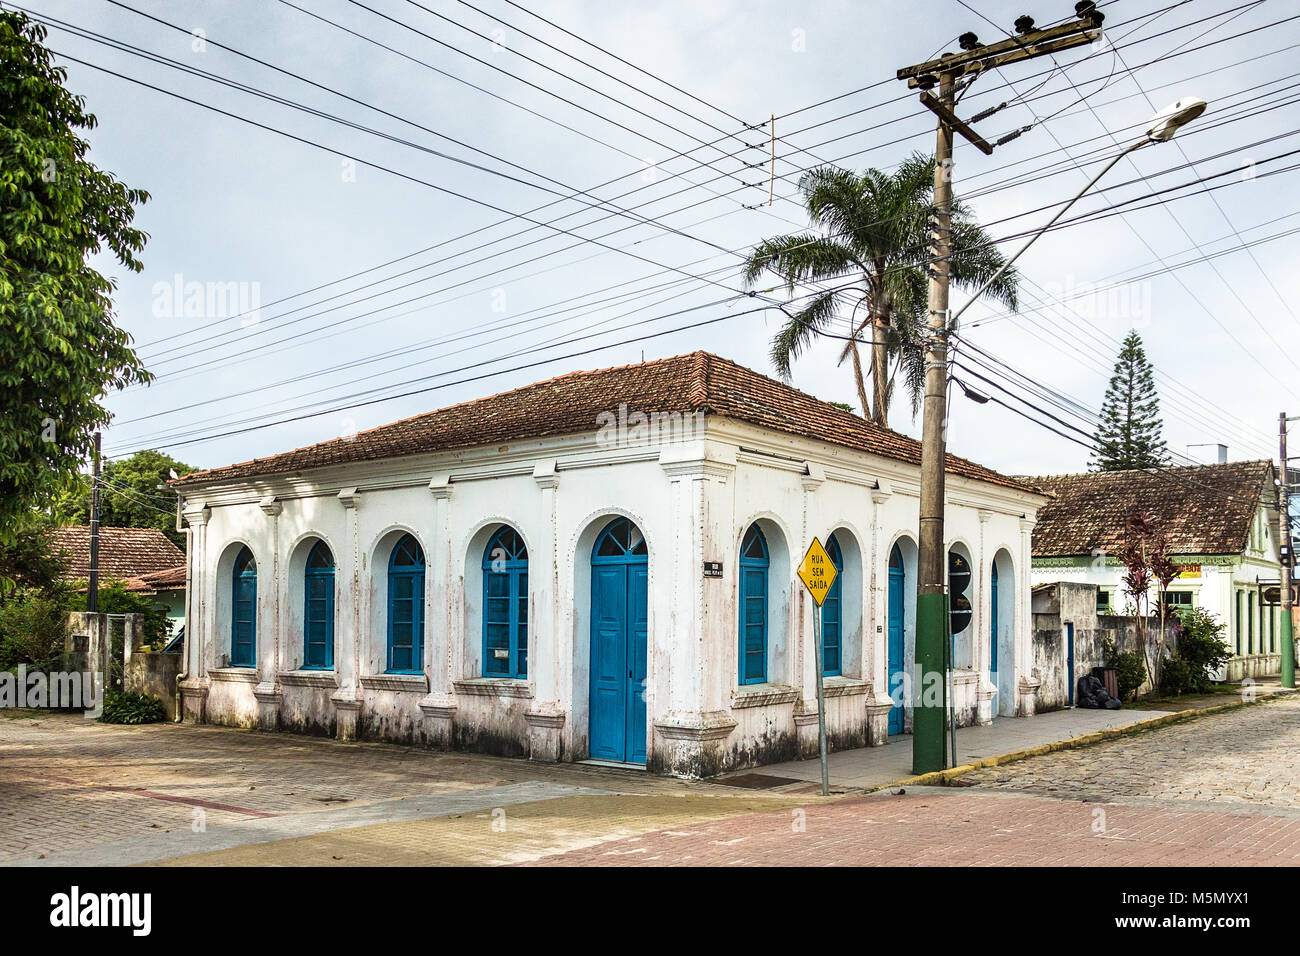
[131,495]
[62,350]
[26,559]
[873,250]
[1128,435]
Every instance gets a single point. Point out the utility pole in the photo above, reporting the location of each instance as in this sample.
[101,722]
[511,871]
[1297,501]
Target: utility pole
[92,585]
[928,715]
[1288,558]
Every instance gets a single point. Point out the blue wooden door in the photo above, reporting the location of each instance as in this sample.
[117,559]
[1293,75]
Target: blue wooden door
[895,650]
[1069,664]
[638,576]
[619,637]
[993,621]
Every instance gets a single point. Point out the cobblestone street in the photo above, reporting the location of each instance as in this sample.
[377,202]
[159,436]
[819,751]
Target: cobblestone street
[1249,756]
[1216,790]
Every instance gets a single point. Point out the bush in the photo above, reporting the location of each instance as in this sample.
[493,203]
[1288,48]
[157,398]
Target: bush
[1201,647]
[1130,669]
[33,629]
[123,708]
[1176,676]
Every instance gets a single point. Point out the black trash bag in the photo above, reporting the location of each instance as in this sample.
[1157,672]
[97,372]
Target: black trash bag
[1090,693]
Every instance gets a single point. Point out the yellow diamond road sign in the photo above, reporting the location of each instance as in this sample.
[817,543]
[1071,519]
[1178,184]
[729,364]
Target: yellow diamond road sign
[817,572]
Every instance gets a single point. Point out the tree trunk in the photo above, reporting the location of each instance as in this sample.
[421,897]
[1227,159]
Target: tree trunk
[879,373]
[857,376]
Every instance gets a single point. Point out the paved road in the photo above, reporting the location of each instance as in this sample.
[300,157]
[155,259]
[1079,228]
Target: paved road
[78,791]
[1248,757]
[1221,790]
[1218,790]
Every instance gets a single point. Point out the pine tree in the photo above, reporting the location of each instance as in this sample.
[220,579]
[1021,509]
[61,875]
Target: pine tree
[1128,435]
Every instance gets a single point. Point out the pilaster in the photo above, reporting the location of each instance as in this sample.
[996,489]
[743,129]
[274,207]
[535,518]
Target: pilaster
[347,699]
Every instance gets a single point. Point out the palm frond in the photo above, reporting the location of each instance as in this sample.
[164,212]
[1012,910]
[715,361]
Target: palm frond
[797,259]
[801,328]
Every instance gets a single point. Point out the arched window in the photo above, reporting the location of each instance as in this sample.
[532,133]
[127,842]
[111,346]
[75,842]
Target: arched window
[620,537]
[754,563]
[833,616]
[318,614]
[243,631]
[406,608]
[505,605]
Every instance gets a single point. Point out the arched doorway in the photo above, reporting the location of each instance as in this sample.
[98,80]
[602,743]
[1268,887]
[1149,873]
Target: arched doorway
[895,648]
[619,634]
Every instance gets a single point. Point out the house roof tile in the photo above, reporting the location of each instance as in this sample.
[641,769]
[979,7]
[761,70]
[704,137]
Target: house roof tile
[123,552]
[169,579]
[1203,509]
[698,382]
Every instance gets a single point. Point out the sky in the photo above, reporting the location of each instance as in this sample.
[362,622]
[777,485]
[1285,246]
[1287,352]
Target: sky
[607,192]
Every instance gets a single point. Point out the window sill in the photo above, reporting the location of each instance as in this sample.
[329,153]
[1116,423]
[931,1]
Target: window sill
[310,677]
[495,687]
[408,683]
[762,695]
[840,686]
[238,675]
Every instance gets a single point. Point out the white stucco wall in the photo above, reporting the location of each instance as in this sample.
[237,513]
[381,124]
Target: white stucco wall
[692,497]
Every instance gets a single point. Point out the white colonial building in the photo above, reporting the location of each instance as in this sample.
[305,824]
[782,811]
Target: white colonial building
[1221,524]
[599,566]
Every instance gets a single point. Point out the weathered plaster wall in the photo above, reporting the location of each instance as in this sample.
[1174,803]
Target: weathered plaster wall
[692,499]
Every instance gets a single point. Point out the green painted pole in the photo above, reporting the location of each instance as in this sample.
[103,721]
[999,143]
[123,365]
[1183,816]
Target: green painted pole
[928,737]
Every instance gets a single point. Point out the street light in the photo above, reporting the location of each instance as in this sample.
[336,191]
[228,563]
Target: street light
[1168,121]
[1161,129]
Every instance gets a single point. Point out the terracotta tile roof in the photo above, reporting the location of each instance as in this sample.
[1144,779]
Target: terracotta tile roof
[123,552]
[169,579]
[1204,509]
[570,404]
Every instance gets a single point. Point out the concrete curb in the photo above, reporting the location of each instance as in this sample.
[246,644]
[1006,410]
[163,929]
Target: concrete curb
[943,778]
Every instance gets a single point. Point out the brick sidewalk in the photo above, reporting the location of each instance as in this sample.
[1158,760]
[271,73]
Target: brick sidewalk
[72,786]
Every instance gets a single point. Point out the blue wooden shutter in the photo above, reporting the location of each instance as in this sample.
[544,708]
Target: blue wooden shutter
[243,638]
[833,616]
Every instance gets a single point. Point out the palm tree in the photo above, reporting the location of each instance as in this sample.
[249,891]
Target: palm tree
[873,254]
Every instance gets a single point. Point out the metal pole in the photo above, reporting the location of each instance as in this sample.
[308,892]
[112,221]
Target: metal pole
[927,718]
[821,701]
[92,585]
[1288,631]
